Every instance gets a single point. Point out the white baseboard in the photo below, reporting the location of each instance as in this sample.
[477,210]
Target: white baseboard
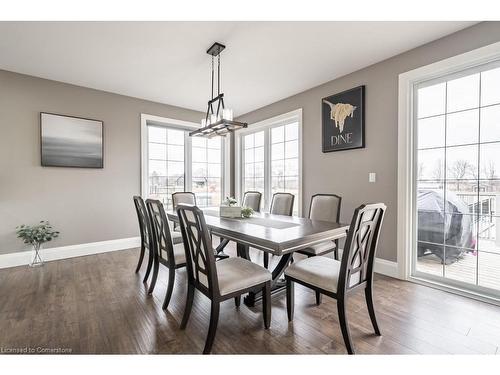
[382,266]
[386,267]
[63,252]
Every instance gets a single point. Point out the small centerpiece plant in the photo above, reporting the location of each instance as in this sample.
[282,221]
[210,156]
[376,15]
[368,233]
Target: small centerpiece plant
[36,235]
[246,212]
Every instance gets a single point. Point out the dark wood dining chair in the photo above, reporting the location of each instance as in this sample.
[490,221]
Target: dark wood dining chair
[281,204]
[324,207]
[252,199]
[165,252]
[146,235]
[185,197]
[340,279]
[219,281]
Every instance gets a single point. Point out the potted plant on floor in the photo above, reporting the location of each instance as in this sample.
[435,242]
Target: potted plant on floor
[36,235]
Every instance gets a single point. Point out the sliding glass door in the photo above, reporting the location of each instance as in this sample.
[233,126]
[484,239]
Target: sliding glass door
[177,162]
[457,179]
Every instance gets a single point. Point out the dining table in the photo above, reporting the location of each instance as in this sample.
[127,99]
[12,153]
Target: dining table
[275,234]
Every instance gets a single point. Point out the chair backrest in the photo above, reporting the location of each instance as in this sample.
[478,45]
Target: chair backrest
[162,238]
[360,247]
[200,257]
[144,222]
[185,197]
[282,204]
[252,199]
[325,207]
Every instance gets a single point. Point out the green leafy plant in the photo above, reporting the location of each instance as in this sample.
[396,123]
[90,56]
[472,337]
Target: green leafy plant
[246,212]
[36,235]
[230,201]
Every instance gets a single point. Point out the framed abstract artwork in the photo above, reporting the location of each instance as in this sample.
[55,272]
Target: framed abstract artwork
[68,141]
[343,120]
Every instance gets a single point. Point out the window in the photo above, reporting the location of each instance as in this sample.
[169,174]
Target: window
[270,161]
[207,170]
[285,159]
[173,161]
[253,161]
[166,172]
[457,177]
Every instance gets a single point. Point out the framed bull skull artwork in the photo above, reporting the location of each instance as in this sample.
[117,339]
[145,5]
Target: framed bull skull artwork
[343,118]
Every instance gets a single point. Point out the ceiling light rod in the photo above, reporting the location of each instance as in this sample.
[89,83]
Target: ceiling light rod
[219,122]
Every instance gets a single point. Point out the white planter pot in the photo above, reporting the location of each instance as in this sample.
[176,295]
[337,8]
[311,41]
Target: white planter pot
[230,211]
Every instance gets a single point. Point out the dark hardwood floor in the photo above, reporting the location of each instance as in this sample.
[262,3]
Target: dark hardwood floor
[96,304]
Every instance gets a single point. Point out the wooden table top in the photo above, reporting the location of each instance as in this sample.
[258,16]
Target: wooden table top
[275,234]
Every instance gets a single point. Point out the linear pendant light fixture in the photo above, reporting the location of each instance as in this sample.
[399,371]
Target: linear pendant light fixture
[219,122]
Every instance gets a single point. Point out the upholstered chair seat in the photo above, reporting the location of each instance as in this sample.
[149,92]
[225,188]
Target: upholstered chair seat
[228,278]
[321,272]
[339,279]
[236,273]
[320,248]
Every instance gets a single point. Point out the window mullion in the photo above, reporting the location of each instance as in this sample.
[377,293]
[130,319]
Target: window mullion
[241,166]
[445,174]
[188,156]
[206,174]
[479,203]
[267,167]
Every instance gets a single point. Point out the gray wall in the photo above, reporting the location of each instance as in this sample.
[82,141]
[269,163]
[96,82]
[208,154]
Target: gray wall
[86,205]
[346,172]
[90,205]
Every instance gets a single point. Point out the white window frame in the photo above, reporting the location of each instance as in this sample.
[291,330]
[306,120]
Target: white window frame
[147,120]
[406,225]
[284,119]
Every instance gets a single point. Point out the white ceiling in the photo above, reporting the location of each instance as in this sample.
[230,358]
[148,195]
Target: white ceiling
[166,61]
